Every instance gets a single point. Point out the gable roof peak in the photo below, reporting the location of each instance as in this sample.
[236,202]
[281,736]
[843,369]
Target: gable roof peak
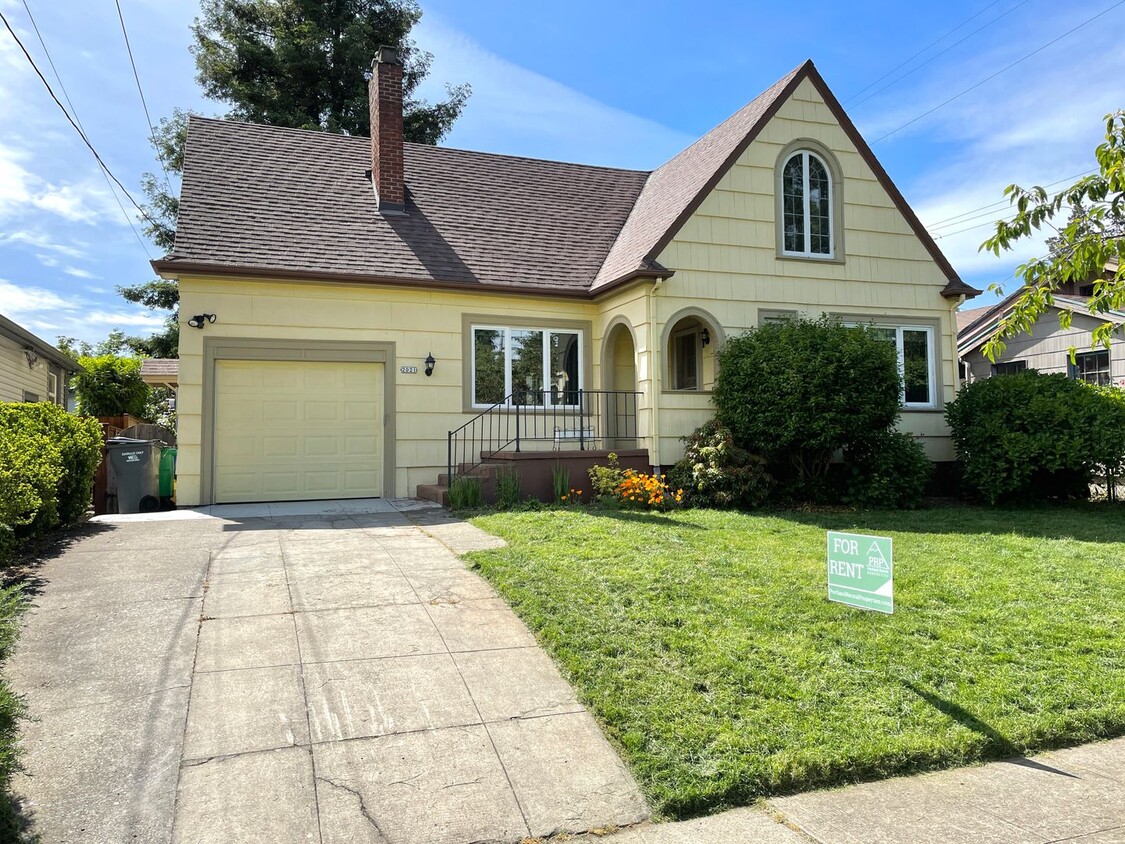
[676,189]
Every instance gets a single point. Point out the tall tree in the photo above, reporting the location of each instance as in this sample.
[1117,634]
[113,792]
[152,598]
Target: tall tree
[1090,247]
[296,63]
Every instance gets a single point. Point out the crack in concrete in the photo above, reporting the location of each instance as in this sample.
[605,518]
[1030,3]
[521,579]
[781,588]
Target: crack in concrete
[477,781]
[362,806]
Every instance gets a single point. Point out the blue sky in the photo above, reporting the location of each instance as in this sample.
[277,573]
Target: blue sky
[622,83]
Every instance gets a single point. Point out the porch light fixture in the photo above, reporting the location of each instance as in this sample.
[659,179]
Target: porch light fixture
[430,365]
[199,320]
[705,336]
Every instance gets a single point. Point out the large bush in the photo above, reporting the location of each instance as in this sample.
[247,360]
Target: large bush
[890,469]
[1033,436]
[798,392]
[47,462]
[714,472]
[12,710]
[109,385]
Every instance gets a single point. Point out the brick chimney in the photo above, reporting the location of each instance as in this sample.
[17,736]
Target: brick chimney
[384,97]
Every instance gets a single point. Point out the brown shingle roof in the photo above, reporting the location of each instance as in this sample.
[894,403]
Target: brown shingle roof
[160,367]
[265,198]
[292,202]
[967,317]
[672,190]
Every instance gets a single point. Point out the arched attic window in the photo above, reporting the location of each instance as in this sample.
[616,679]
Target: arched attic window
[807,205]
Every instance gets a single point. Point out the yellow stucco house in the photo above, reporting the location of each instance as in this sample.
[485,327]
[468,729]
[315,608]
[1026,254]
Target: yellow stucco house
[350,303]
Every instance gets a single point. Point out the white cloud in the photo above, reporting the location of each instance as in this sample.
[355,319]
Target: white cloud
[1036,124]
[79,273]
[20,301]
[41,240]
[517,111]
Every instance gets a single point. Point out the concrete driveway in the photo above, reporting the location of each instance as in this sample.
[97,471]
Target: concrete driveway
[298,673]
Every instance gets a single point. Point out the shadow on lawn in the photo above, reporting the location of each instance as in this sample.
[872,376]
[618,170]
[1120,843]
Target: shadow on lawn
[999,744]
[641,517]
[1085,522]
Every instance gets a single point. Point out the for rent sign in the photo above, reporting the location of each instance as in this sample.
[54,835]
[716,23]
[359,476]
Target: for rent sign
[861,571]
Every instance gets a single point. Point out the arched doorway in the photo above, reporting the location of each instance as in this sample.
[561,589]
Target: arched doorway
[619,379]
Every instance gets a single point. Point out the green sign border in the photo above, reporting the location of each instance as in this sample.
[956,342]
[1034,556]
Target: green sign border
[853,596]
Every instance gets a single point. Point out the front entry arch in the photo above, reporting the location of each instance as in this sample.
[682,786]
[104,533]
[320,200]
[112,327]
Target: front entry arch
[619,374]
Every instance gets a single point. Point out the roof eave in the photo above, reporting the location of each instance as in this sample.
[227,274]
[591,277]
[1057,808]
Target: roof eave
[172,268]
[957,288]
[44,349]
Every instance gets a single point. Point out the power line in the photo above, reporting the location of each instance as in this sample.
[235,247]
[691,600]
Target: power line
[957,219]
[999,72]
[140,91]
[74,111]
[943,52]
[920,52]
[77,128]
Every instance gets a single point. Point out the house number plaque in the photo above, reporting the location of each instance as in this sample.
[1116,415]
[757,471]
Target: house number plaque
[408,370]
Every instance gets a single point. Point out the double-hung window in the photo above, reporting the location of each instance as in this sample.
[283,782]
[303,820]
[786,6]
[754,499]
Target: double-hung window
[528,366]
[806,207]
[914,345]
[1092,367]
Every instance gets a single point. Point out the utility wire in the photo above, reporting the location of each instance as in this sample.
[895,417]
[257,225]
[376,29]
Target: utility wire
[140,91]
[920,52]
[957,219]
[1018,61]
[941,53]
[77,128]
[77,119]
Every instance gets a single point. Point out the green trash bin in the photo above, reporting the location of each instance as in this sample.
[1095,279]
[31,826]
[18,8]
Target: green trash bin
[168,478]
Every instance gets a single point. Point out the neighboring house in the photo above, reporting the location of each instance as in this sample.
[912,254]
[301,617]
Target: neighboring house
[348,302]
[31,369]
[1047,346]
[161,372]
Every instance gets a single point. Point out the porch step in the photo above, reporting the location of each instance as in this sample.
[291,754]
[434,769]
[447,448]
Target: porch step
[437,493]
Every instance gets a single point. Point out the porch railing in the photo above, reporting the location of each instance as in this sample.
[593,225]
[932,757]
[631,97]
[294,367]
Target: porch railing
[549,419]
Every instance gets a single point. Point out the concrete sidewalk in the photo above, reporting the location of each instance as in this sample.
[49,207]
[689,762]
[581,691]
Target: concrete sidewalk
[1075,795]
[336,677]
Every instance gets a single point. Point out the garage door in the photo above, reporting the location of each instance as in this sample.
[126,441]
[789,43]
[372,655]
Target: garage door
[297,430]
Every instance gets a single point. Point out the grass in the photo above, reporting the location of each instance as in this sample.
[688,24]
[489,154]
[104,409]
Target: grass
[704,642]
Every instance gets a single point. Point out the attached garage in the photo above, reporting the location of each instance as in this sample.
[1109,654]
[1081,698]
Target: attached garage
[292,426]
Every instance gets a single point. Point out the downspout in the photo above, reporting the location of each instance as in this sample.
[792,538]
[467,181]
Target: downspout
[656,370]
[953,334]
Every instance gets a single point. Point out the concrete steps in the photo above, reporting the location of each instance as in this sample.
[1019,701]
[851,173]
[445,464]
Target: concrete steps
[439,492]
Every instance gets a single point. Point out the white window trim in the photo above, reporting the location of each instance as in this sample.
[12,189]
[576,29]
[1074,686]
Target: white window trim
[931,367]
[806,211]
[507,331]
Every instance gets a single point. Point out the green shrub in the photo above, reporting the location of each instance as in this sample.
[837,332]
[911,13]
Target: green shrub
[560,482]
[606,480]
[888,470]
[714,472]
[507,488]
[109,385]
[465,493]
[47,462]
[799,391]
[12,711]
[1032,436]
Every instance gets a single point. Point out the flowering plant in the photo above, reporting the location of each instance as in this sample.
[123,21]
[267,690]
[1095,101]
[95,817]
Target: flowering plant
[645,491]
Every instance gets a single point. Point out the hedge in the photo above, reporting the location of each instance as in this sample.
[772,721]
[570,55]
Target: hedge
[47,462]
[1034,436]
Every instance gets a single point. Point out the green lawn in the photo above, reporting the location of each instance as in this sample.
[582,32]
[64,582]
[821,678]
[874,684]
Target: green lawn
[704,643]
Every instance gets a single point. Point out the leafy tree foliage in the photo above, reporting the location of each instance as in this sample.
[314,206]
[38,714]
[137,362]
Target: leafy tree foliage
[1090,242]
[111,386]
[296,63]
[798,391]
[1031,436]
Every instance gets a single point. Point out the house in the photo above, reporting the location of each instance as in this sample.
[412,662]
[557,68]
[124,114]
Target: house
[32,369]
[349,303]
[1047,346]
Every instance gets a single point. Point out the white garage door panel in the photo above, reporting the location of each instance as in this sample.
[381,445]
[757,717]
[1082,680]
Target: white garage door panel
[292,430]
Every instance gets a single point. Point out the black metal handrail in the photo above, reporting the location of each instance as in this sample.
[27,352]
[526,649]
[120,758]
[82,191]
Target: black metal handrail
[590,418]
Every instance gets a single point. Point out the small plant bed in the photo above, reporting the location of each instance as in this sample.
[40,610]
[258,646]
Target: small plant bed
[704,642]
